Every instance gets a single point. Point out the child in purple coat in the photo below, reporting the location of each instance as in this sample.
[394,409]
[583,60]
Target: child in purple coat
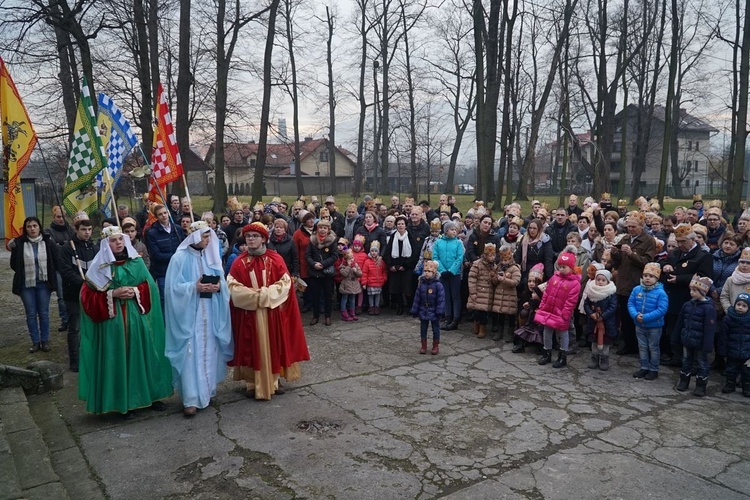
[429,305]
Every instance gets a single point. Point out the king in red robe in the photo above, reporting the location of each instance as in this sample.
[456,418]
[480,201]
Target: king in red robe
[269,340]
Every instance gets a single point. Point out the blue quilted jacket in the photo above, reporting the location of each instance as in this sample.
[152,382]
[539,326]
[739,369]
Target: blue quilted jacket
[734,335]
[697,324]
[429,301]
[653,304]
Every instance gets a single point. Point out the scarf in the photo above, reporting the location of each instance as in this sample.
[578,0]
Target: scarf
[525,243]
[401,246]
[30,263]
[597,293]
[739,278]
[511,238]
[371,227]
[742,319]
[257,252]
[349,228]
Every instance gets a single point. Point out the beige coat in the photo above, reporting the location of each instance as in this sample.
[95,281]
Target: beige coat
[506,296]
[480,286]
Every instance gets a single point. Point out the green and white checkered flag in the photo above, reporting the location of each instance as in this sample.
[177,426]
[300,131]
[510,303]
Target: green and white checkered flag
[87,158]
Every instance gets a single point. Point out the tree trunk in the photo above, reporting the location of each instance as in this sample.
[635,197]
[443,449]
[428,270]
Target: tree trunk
[257,188]
[153,38]
[738,174]
[356,190]
[144,74]
[222,70]
[506,134]
[412,110]
[295,96]
[70,89]
[331,106]
[670,102]
[184,82]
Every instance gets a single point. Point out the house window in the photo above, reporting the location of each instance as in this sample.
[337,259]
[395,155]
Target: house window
[690,145]
[687,182]
[253,162]
[696,166]
[616,147]
[689,165]
[324,157]
[614,166]
[696,146]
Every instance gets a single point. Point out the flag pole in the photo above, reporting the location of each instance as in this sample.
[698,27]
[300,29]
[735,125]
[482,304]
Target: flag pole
[112,197]
[49,174]
[187,193]
[158,187]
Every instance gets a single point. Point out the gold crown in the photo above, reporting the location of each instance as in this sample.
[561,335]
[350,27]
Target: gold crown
[606,197]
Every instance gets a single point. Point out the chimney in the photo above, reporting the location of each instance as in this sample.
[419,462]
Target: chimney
[308,139]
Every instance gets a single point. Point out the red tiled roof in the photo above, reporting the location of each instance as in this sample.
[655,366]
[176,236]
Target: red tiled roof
[237,155]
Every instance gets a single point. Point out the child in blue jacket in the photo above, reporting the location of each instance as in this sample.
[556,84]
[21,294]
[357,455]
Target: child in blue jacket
[734,343]
[429,305]
[647,306]
[697,326]
[448,252]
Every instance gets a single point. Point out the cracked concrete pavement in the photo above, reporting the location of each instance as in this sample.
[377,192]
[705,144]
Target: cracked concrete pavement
[373,419]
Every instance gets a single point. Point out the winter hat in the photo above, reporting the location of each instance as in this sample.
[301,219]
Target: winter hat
[359,240]
[431,265]
[593,268]
[566,259]
[744,297]
[255,227]
[449,225]
[700,228]
[701,283]
[605,273]
[375,245]
[537,272]
[506,253]
[745,255]
[653,269]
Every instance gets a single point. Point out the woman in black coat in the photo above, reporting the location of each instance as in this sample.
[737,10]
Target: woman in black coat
[33,259]
[321,254]
[535,247]
[401,256]
[281,241]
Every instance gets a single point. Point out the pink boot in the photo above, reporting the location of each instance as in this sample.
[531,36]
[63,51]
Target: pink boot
[345,315]
[352,316]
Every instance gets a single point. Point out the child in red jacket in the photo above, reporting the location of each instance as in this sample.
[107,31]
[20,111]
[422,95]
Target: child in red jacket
[360,256]
[559,299]
[374,276]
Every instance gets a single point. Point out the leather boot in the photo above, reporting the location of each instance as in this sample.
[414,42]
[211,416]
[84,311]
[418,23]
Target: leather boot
[73,351]
[345,315]
[700,386]
[509,330]
[352,315]
[435,347]
[399,307]
[520,346]
[482,331]
[498,335]
[452,326]
[604,363]
[546,357]
[594,363]
[684,382]
[562,360]
[746,389]
[423,350]
[474,330]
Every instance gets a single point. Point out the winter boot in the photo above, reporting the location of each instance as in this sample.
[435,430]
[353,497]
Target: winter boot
[594,363]
[746,389]
[520,346]
[452,326]
[562,360]
[482,331]
[423,350]
[603,363]
[73,350]
[399,307]
[700,386]
[729,386]
[474,330]
[546,357]
[352,314]
[435,347]
[509,330]
[682,386]
[345,315]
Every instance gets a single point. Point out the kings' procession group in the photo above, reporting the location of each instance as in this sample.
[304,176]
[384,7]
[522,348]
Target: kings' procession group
[168,300]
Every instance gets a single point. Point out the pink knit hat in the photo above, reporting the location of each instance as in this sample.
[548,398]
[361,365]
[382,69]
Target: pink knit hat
[566,259]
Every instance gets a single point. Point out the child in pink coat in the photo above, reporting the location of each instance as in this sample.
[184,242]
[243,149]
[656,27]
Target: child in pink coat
[558,302]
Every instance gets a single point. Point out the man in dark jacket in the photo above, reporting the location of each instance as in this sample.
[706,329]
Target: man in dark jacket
[162,242]
[74,261]
[635,250]
[685,261]
[559,229]
[60,233]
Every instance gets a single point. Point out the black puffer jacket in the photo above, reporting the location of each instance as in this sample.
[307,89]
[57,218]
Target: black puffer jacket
[734,335]
[324,252]
[286,248]
[697,325]
[696,261]
[85,251]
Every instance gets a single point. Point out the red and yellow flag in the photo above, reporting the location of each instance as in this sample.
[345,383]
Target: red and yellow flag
[18,141]
[166,164]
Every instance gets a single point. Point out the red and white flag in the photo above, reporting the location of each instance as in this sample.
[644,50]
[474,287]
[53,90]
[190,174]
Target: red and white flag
[166,164]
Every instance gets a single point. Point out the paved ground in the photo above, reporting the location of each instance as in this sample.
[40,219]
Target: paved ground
[373,419]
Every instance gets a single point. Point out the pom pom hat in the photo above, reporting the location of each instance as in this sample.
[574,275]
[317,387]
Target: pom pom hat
[255,227]
[537,272]
[743,297]
[566,259]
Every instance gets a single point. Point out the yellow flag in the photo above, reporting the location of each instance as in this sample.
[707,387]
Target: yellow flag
[18,141]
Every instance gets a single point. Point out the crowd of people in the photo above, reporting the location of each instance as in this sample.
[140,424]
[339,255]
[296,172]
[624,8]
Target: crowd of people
[181,297]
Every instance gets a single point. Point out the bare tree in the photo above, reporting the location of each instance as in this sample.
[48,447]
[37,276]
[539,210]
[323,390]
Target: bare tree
[330,23]
[257,188]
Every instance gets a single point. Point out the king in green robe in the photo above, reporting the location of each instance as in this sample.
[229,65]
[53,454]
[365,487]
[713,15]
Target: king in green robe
[122,364]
